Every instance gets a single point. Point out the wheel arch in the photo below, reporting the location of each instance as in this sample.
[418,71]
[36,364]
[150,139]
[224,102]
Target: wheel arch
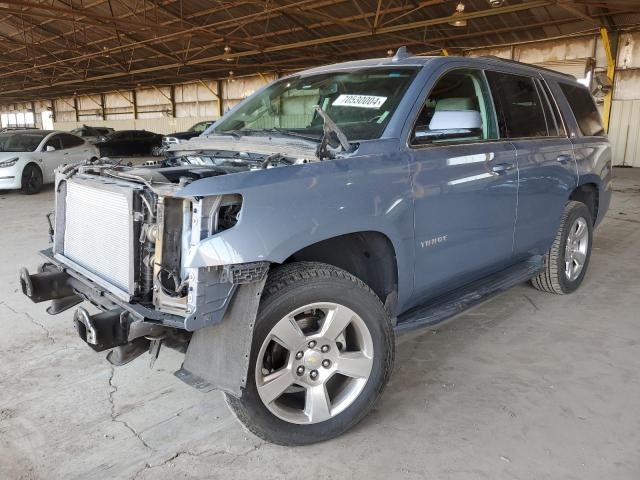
[367,255]
[588,192]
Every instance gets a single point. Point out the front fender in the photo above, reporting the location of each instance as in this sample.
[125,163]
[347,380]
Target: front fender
[285,209]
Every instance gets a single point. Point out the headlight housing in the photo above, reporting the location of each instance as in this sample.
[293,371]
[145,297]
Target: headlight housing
[9,163]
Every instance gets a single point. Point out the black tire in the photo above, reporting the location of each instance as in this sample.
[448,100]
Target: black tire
[31,179]
[553,278]
[293,286]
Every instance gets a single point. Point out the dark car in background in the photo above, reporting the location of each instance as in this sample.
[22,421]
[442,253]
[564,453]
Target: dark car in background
[129,142]
[10,129]
[179,137]
[92,134]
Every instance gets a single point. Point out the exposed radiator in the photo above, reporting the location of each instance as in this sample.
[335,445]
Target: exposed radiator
[98,233]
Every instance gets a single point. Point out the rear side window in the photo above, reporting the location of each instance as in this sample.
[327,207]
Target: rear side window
[520,108]
[584,109]
[554,107]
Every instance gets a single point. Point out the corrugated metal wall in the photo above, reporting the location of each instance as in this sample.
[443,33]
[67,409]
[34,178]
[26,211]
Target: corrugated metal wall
[571,55]
[624,133]
[624,129]
[193,102]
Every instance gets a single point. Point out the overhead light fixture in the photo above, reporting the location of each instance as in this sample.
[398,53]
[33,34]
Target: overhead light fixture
[227,51]
[455,20]
[496,3]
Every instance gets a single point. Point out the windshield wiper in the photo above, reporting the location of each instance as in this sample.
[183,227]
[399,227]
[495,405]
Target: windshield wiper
[328,127]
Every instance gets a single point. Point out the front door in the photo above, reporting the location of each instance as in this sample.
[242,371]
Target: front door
[52,156]
[465,184]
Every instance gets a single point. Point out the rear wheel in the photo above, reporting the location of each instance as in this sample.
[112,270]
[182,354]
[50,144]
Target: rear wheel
[567,260]
[322,353]
[31,179]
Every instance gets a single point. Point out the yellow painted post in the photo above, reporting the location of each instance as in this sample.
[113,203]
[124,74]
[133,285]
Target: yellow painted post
[445,52]
[611,71]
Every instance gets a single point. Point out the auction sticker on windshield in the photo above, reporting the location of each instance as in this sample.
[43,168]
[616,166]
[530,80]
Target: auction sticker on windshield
[361,101]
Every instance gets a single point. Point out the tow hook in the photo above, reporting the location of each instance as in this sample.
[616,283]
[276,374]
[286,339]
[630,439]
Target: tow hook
[49,284]
[104,330]
[88,333]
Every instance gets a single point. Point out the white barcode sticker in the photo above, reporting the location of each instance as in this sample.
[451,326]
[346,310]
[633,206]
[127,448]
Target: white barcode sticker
[361,101]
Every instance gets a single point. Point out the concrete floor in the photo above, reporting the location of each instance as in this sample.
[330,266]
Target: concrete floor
[527,386]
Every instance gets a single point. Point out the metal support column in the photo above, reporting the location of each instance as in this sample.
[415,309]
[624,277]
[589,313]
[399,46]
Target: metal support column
[172,99]
[220,106]
[102,107]
[134,97]
[75,108]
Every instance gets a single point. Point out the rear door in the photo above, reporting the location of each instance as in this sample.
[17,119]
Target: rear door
[145,140]
[121,143]
[75,148]
[529,118]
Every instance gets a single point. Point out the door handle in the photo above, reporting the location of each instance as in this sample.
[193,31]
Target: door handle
[563,158]
[501,168]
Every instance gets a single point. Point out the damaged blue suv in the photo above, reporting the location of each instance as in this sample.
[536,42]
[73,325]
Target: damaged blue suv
[283,248]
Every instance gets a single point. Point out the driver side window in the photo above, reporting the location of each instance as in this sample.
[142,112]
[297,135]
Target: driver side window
[54,142]
[458,109]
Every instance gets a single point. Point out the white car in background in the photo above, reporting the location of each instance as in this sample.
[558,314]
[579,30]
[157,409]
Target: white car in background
[28,158]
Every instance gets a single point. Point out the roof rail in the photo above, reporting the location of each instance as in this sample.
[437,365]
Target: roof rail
[507,60]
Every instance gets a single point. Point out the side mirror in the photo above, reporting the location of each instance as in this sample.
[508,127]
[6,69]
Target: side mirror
[50,148]
[451,124]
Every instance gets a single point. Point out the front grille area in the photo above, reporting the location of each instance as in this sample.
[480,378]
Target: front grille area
[98,232]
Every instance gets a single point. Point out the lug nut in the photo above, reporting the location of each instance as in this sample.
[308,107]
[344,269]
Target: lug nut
[324,349]
[326,363]
[300,370]
[299,355]
[313,374]
[311,344]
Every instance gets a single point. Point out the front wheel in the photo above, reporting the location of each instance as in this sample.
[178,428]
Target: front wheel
[322,353]
[31,179]
[567,260]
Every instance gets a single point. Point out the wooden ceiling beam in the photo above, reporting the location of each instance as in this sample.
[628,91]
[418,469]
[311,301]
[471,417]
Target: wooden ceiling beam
[317,41]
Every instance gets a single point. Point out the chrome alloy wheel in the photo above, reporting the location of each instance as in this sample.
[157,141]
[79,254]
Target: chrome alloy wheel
[314,363]
[576,248]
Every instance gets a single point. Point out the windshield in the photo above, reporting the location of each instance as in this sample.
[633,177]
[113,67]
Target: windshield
[200,127]
[361,102]
[20,142]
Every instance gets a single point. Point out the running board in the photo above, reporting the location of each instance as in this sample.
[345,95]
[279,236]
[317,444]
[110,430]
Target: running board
[468,296]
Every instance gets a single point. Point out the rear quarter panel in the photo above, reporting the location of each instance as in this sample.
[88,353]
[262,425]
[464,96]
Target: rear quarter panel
[592,154]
